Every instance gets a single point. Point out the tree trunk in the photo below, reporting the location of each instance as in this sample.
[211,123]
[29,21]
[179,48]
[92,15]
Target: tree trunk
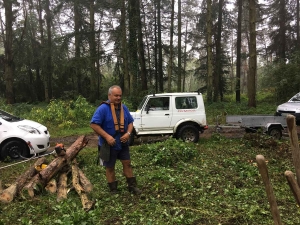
[238,53]
[77,45]
[252,55]
[209,52]
[40,180]
[218,71]
[159,43]
[141,48]
[93,56]
[170,65]
[126,88]
[49,68]
[179,47]
[8,59]
[8,194]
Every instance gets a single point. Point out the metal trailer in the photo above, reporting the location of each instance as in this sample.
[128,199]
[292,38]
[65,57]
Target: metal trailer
[271,125]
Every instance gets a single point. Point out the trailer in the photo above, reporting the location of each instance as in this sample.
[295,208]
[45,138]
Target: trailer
[271,125]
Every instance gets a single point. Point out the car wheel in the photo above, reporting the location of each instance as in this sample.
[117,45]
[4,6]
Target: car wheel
[14,149]
[275,132]
[189,133]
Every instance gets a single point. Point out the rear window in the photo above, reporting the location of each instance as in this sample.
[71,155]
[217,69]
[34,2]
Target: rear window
[189,102]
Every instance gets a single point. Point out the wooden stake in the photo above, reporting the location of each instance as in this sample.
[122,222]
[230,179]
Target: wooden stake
[293,185]
[291,124]
[261,163]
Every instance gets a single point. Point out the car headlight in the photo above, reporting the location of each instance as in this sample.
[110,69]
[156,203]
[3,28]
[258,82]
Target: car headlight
[29,129]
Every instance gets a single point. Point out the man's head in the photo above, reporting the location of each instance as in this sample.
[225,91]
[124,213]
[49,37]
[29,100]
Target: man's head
[115,94]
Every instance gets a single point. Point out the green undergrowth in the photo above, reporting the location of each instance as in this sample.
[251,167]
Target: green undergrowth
[214,181]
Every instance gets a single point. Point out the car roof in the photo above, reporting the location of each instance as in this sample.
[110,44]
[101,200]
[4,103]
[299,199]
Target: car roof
[176,94]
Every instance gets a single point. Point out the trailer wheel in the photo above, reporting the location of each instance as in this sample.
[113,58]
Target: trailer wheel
[275,132]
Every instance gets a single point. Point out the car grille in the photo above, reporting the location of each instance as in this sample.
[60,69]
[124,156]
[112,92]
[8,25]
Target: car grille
[282,111]
[40,146]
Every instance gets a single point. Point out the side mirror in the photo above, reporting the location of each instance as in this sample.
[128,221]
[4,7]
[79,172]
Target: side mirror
[147,109]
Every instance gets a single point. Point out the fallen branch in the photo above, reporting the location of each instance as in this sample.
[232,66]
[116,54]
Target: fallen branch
[62,187]
[51,186]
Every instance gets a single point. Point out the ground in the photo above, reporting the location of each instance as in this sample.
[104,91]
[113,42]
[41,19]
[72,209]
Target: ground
[93,139]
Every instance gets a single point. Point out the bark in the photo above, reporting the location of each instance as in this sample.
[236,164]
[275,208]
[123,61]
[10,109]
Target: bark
[159,43]
[84,181]
[238,53]
[252,55]
[179,47]
[209,52]
[8,194]
[8,58]
[93,55]
[51,186]
[62,187]
[141,49]
[39,181]
[170,65]
[86,203]
[49,68]
[126,89]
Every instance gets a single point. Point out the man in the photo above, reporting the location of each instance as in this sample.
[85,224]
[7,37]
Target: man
[114,124]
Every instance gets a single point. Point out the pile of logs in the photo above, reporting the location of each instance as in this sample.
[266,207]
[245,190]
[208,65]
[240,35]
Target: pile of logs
[53,178]
[293,179]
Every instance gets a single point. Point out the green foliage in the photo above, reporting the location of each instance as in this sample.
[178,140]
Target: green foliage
[169,152]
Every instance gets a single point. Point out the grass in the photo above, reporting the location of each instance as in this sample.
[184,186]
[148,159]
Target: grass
[215,181]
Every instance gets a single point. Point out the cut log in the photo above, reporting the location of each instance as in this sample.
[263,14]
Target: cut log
[86,203]
[40,180]
[51,186]
[84,181]
[8,194]
[62,187]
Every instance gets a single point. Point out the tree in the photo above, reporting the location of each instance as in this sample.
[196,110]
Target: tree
[209,51]
[238,52]
[179,47]
[252,55]
[8,47]
[170,64]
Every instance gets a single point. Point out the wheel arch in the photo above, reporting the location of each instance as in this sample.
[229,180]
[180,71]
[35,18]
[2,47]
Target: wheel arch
[13,139]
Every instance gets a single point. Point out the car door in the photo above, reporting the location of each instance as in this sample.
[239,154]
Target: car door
[157,115]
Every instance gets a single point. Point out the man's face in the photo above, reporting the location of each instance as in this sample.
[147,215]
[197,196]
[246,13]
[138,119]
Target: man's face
[115,96]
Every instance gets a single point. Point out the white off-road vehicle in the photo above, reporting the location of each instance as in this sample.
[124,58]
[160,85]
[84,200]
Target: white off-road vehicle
[179,114]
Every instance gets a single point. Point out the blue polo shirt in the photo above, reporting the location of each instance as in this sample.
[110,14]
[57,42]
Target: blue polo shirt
[104,118]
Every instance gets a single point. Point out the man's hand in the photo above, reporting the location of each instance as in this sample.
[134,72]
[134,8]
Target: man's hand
[111,141]
[125,137]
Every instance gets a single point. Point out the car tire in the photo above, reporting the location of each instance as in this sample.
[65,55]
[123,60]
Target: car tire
[275,132]
[14,149]
[189,133]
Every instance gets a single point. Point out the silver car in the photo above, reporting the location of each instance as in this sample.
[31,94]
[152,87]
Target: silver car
[292,106]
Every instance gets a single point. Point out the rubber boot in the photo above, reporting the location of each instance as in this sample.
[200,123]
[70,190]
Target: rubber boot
[132,186]
[113,187]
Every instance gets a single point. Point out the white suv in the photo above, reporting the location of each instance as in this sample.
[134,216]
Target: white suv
[292,106]
[180,114]
[20,138]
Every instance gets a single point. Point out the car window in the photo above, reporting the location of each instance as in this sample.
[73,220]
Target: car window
[159,103]
[186,102]
[295,98]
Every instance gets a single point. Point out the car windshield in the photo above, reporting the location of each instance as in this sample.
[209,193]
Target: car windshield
[142,103]
[295,98]
[8,117]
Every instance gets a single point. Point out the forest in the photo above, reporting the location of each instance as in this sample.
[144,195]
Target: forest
[52,49]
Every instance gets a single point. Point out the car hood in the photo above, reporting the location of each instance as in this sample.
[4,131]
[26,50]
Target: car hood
[29,123]
[289,106]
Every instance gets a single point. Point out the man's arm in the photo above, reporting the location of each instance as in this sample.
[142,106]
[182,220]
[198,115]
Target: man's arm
[98,129]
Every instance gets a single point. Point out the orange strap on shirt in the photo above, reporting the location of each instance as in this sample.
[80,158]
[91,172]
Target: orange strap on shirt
[118,127]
